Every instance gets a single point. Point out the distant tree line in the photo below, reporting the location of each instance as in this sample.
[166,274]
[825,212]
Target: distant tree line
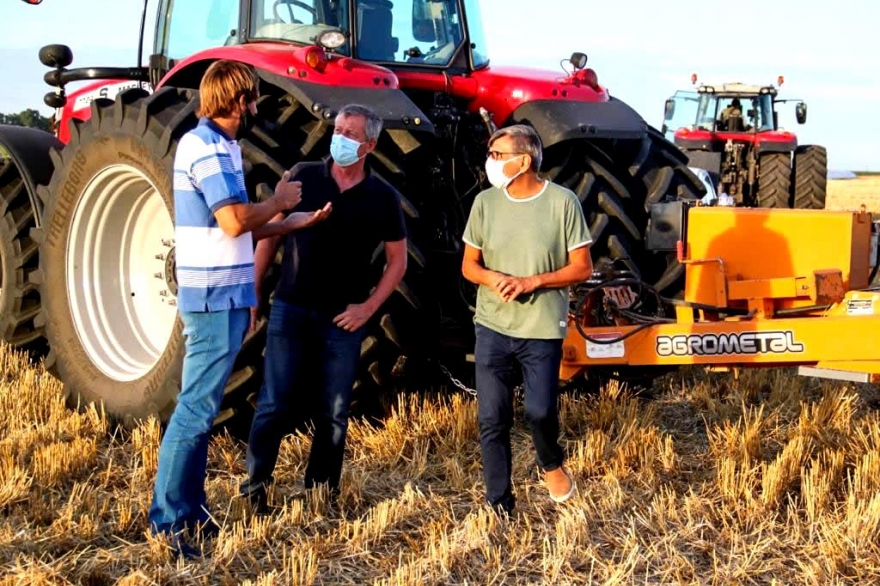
[28,117]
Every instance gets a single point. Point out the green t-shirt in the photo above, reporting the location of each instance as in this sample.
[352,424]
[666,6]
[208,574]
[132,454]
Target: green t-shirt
[526,237]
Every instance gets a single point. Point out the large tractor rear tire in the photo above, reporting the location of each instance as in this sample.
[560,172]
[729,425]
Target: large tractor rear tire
[810,177]
[107,258]
[19,297]
[774,180]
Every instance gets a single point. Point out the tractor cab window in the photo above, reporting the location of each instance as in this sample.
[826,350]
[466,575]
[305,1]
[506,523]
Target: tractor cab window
[185,28]
[681,111]
[752,113]
[761,113]
[731,116]
[476,34]
[408,31]
[298,21]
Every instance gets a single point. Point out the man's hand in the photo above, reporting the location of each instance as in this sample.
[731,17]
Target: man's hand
[354,316]
[300,220]
[496,279]
[255,311]
[288,193]
[509,288]
[255,317]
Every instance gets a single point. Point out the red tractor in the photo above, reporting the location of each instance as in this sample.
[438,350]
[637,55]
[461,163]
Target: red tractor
[732,130]
[87,238]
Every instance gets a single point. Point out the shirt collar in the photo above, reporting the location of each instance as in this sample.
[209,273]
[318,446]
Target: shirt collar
[204,121]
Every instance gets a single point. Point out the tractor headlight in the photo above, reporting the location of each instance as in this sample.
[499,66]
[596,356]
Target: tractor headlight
[331,39]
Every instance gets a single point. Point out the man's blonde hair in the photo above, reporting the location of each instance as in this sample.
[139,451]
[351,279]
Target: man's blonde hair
[223,84]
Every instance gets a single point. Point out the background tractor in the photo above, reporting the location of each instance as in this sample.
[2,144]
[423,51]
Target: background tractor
[87,238]
[732,130]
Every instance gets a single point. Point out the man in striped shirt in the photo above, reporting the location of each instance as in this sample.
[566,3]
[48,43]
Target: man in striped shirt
[215,227]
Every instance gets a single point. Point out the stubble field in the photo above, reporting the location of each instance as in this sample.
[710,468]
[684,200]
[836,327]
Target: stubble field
[767,478]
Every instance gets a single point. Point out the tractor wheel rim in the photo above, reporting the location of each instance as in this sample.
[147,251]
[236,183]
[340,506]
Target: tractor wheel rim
[118,289]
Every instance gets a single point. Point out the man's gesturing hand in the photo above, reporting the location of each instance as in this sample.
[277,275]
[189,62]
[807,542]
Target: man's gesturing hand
[300,220]
[288,193]
[354,316]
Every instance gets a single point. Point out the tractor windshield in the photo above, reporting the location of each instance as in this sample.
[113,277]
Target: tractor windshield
[744,113]
[408,31]
[418,32]
[298,21]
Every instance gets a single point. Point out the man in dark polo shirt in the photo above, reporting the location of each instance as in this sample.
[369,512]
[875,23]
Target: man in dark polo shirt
[323,301]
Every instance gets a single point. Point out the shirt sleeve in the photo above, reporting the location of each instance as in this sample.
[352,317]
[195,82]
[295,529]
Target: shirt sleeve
[394,225]
[213,173]
[577,233]
[473,230]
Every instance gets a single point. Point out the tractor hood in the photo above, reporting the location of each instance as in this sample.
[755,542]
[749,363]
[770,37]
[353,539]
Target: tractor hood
[559,107]
[501,90]
[768,141]
[291,61]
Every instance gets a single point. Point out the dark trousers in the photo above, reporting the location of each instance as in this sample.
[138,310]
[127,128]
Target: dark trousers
[295,337]
[498,360]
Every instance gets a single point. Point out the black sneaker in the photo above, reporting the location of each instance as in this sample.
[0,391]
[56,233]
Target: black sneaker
[257,497]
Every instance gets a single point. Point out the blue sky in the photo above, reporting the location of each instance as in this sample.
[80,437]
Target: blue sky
[643,50]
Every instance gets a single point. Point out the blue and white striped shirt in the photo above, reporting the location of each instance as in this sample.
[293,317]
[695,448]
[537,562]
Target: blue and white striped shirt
[215,271]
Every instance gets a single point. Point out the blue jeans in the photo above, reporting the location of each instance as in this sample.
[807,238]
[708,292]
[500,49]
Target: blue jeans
[295,335]
[213,340]
[499,358]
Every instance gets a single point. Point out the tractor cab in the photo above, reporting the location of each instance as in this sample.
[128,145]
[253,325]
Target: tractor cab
[732,108]
[425,33]
[725,108]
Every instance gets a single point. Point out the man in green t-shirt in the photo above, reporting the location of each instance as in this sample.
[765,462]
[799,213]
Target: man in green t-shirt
[526,242]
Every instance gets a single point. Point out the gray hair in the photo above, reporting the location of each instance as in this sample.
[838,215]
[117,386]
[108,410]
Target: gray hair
[373,127]
[526,142]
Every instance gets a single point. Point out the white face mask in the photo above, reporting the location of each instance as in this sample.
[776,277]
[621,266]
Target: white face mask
[495,172]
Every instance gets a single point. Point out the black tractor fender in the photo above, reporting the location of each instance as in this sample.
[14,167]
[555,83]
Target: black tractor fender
[777,147]
[557,120]
[395,108]
[30,150]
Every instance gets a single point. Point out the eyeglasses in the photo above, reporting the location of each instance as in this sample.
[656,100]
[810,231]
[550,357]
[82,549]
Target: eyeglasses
[495,155]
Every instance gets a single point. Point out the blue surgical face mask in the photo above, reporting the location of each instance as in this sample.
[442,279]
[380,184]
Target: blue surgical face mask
[344,150]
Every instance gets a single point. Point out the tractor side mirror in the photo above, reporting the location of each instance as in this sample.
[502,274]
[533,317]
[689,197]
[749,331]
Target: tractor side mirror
[422,22]
[800,112]
[670,109]
[57,56]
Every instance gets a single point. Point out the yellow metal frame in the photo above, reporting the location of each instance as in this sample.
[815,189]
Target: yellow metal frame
[765,262]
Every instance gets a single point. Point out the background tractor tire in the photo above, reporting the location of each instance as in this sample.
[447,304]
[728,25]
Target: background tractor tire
[616,183]
[106,258]
[774,180]
[810,177]
[19,296]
